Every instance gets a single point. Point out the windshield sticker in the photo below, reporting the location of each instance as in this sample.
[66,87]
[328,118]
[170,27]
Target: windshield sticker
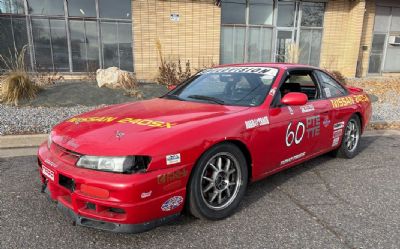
[327,92]
[137,121]
[273,91]
[258,70]
[250,124]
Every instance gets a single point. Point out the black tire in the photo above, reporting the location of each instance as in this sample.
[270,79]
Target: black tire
[346,151]
[204,175]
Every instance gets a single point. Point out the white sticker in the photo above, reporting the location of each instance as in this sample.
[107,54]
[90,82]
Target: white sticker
[335,141]
[337,133]
[338,126]
[173,159]
[290,110]
[47,172]
[146,194]
[273,91]
[257,70]
[256,122]
[307,108]
[293,158]
[327,92]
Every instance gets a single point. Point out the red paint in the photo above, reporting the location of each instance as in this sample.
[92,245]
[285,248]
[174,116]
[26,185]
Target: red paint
[161,127]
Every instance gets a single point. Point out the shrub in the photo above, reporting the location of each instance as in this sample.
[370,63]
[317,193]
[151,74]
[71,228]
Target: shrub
[18,86]
[130,86]
[170,72]
[338,76]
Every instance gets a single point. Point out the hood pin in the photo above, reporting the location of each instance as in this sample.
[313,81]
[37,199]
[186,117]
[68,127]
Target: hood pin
[119,134]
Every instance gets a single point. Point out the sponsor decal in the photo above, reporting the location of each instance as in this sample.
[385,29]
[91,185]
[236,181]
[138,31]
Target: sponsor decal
[258,70]
[146,194]
[48,172]
[335,141]
[338,126]
[293,158]
[51,163]
[313,126]
[172,203]
[337,133]
[173,159]
[250,124]
[326,122]
[342,102]
[307,108]
[361,98]
[290,110]
[171,176]
[295,135]
[136,121]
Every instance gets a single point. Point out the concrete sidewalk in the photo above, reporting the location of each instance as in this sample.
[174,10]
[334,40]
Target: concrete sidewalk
[20,145]
[27,145]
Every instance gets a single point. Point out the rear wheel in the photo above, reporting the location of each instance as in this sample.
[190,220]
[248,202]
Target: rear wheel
[351,139]
[218,182]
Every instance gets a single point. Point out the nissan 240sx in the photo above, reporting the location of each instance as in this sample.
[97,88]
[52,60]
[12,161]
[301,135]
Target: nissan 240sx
[133,166]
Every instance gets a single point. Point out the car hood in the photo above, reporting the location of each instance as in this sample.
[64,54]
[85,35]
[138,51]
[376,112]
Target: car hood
[121,129]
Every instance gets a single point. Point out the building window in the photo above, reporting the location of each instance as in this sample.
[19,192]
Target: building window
[268,30]
[385,50]
[69,35]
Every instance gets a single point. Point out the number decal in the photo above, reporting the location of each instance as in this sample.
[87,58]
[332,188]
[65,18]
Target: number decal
[291,136]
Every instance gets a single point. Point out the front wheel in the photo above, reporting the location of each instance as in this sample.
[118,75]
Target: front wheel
[218,182]
[351,139]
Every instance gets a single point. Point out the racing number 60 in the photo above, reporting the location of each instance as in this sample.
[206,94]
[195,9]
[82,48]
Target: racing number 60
[292,136]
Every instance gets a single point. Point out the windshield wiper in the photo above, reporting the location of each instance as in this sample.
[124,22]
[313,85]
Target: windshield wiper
[173,96]
[202,97]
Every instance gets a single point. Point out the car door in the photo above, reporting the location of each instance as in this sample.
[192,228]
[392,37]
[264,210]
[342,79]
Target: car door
[297,130]
[340,107]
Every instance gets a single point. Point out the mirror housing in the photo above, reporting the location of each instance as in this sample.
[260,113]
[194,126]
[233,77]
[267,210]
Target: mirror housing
[294,98]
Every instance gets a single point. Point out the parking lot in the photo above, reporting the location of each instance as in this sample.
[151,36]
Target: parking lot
[324,203]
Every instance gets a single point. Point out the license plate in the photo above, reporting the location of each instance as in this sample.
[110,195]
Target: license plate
[48,172]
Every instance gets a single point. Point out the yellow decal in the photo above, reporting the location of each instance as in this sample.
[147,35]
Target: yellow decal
[92,119]
[137,121]
[342,102]
[146,122]
[361,98]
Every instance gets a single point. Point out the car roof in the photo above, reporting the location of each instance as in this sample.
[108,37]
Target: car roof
[269,64]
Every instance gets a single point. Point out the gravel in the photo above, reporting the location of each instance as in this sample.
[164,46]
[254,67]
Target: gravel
[34,120]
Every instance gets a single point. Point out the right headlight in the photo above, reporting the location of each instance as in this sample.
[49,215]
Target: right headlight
[128,164]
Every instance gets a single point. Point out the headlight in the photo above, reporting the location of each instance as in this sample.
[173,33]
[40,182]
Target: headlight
[129,164]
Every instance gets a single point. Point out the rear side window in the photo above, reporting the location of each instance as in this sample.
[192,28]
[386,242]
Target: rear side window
[329,86]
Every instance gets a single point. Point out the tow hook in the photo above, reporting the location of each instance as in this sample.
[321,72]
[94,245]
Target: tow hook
[44,186]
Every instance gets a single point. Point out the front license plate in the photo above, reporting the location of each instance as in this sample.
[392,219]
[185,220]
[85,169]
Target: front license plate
[48,172]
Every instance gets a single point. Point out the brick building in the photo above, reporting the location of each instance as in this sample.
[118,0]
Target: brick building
[356,37]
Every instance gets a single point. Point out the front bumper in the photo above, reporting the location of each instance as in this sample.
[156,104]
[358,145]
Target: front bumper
[133,203]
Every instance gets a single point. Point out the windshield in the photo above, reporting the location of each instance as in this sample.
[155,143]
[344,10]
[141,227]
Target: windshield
[243,86]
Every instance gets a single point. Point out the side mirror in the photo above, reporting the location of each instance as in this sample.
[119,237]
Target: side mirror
[294,98]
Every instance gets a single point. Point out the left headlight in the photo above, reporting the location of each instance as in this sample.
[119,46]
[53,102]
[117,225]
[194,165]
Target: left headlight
[128,164]
[49,141]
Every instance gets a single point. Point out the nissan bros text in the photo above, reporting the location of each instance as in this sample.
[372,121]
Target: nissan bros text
[130,167]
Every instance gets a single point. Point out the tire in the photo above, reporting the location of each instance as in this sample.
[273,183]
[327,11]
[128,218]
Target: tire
[218,182]
[349,147]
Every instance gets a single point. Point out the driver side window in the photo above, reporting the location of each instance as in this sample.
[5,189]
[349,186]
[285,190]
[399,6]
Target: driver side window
[302,82]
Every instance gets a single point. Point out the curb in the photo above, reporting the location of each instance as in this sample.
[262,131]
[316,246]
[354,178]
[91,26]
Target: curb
[22,141]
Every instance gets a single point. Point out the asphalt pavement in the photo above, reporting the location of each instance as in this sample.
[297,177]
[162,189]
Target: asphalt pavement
[323,203]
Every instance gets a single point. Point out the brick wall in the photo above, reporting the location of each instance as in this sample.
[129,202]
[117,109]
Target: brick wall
[343,26]
[366,38]
[195,37]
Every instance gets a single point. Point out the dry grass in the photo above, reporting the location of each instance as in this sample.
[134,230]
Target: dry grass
[17,86]
[130,85]
[45,77]
[338,76]
[386,89]
[171,72]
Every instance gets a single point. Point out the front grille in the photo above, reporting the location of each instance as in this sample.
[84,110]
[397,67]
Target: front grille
[63,154]
[66,182]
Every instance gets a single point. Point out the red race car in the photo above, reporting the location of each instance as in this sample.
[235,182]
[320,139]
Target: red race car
[133,166]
